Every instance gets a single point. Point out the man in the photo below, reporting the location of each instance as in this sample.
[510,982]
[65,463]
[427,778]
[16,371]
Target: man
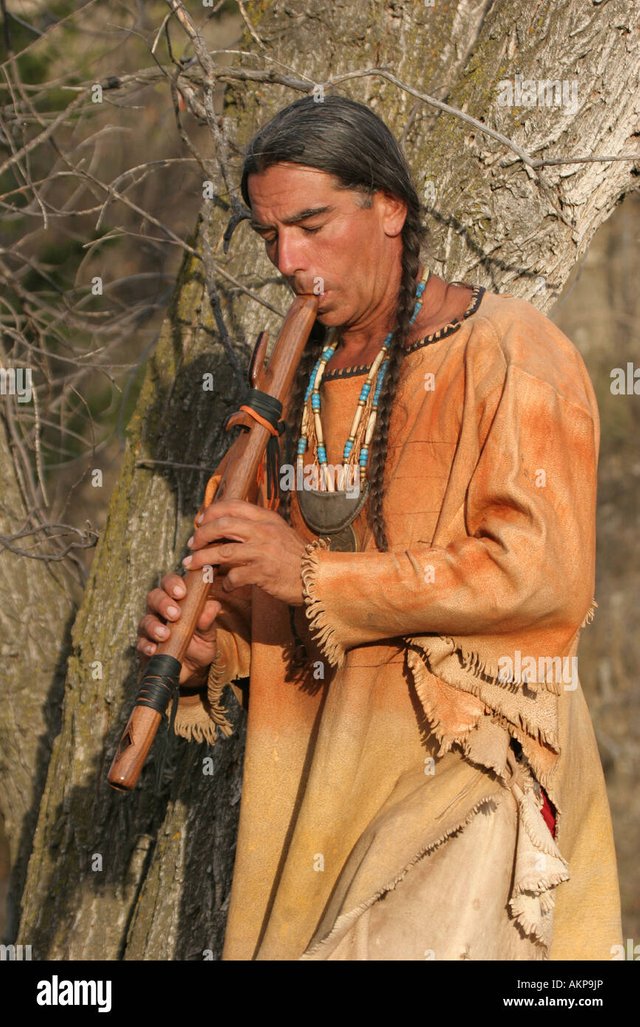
[424,782]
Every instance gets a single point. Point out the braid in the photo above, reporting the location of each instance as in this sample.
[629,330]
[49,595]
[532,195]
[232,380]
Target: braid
[348,141]
[412,235]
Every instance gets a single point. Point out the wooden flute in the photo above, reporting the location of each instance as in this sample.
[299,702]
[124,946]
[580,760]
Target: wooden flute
[259,418]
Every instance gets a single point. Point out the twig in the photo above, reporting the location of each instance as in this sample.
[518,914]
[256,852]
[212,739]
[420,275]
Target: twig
[36,441]
[216,307]
[87,539]
[172,463]
[245,18]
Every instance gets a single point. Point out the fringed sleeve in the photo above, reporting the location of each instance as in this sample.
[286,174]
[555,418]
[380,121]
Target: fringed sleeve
[518,557]
[201,714]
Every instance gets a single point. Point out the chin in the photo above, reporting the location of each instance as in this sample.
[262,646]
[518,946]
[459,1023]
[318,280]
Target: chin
[327,316]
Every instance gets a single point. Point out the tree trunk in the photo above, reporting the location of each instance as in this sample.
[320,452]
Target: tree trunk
[33,651]
[147,875]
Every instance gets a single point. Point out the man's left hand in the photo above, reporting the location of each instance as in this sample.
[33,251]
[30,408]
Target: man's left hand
[265,552]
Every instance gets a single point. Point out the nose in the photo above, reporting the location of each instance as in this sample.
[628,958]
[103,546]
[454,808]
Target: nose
[289,254]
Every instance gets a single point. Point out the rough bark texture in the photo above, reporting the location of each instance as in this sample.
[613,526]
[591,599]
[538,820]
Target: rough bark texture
[167,858]
[33,653]
[94,848]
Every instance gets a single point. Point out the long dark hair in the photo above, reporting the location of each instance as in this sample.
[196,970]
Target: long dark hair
[347,140]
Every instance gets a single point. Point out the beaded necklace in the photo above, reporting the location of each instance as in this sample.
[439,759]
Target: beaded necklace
[364,419]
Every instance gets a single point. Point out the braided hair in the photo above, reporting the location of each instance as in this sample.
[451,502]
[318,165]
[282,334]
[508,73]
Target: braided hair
[347,140]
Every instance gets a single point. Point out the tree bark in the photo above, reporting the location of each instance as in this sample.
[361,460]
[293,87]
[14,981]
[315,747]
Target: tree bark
[147,875]
[107,844]
[33,650]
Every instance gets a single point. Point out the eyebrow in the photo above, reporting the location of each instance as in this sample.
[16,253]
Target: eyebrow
[293,219]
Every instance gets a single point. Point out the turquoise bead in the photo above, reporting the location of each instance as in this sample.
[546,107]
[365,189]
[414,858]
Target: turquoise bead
[364,393]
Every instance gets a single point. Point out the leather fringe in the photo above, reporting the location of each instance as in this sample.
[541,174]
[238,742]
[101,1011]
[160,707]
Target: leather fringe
[420,658]
[471,662]
[324,634]
[204,718]
[217,680]
[540,868]
[590,614]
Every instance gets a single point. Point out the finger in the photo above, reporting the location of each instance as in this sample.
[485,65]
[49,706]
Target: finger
[239,508]
[237,527]
[159,602]
[174,585]
[225,527]
[145,647]
[152,629]
[245,563]
[211,610]
[226,554]
[238,577]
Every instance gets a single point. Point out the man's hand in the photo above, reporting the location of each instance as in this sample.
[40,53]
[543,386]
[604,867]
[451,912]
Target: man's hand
[154,627]
[265,551]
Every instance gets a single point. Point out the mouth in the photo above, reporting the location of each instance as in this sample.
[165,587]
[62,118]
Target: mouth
[300,291]
[322,297]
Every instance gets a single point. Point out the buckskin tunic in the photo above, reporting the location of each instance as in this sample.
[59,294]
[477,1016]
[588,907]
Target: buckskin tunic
[391,800]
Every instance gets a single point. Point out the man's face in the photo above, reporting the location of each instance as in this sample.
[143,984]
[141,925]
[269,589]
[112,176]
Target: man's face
[323,240]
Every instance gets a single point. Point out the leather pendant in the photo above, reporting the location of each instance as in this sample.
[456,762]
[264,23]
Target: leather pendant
[331,514]
[343,541]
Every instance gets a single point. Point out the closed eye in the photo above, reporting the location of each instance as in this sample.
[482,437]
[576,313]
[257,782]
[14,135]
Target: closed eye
[269,240]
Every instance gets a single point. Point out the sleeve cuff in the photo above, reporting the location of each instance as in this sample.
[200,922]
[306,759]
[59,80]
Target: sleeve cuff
[201,713]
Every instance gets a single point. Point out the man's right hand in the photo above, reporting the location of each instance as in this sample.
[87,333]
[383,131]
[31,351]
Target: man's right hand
[162,611]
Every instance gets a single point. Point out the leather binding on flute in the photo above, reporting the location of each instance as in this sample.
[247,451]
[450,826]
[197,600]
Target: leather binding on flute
[260,420]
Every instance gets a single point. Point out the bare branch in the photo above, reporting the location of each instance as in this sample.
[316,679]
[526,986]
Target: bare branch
[252,31]
[83,539]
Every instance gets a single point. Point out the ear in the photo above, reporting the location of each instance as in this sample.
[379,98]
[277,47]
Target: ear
[393,213]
